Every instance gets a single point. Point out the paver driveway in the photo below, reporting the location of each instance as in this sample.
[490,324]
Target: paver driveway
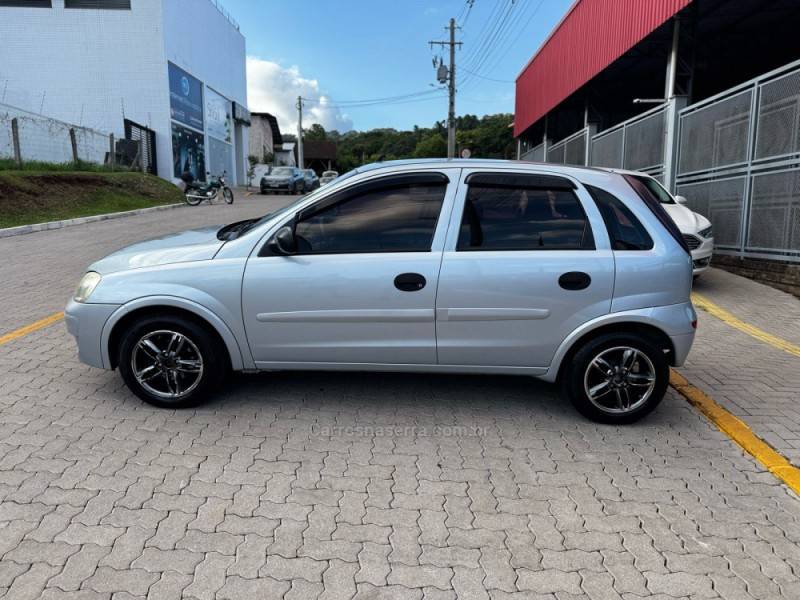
[301,485]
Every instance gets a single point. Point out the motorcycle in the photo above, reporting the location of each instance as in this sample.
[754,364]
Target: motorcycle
[197,191]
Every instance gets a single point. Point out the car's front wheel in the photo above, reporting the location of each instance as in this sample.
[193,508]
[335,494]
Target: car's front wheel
[171,362]
[617,378]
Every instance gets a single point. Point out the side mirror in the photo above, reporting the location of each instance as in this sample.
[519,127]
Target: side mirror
[283,242]
[680,200]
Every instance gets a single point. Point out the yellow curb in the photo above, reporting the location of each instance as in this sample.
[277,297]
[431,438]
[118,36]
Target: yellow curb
[23,331]
[738,431]
[754,332]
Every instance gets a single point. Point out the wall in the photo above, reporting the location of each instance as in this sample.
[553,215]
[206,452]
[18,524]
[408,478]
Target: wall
[199,39]
[87,66]
[260,137]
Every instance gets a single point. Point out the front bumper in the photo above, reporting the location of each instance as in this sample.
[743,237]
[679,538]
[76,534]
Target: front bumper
[701,256]
[85,323]
[269,185]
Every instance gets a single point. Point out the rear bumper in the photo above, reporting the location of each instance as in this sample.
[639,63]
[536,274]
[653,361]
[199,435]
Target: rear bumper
[682,344]
[85,323]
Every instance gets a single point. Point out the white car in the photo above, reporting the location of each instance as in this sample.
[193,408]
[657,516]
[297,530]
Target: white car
[694,227]
[328,176]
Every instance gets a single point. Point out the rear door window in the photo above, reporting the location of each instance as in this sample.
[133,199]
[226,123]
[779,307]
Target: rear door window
[523,213]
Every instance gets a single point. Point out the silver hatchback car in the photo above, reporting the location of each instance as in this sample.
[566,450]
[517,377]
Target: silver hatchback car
[571,275]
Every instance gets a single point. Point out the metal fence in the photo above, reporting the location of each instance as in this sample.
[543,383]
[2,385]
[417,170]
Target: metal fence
[45,139]
[739,164]
[535,154]
[570,150]
[637,144]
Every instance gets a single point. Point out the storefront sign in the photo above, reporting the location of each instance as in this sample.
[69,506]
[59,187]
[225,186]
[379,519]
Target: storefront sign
[185,97]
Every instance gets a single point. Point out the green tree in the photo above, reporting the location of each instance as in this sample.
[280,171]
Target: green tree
[315,132]
[432,146]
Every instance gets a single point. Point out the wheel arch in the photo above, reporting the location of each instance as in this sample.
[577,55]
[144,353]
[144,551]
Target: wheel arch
[163,307]
[577,341]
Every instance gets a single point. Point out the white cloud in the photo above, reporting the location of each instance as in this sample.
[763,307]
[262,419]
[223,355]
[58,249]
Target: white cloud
[274,89]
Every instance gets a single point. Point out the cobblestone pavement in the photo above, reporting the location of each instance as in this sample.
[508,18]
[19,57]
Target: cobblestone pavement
[301,485]
[755,381]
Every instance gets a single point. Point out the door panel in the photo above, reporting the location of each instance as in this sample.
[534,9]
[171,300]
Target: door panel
[362,290]
[511,286]
[508,309]
[334,308]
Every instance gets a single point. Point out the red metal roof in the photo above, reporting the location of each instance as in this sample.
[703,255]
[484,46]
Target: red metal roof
[592,35]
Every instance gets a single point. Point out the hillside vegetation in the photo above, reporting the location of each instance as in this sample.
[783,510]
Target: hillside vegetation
[29,196]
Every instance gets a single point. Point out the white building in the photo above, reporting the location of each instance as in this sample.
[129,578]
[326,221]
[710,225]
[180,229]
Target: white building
[176,67]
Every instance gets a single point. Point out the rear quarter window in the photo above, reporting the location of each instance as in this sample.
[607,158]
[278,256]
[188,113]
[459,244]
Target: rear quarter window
[625,231]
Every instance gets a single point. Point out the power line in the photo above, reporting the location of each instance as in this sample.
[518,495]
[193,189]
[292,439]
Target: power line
[434,96]
[382,99]
[487,78]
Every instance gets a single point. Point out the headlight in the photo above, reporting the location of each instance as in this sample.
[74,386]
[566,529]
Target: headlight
[86,286]
[707,232]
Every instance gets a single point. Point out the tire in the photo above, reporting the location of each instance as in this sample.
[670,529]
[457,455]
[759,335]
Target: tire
[293,189]
[227,195]
[198,342]
[633,387]
[193,200]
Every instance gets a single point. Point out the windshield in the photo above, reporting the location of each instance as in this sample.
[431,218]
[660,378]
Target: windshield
[290,207]
[282,171]
[655,189]
[310,172]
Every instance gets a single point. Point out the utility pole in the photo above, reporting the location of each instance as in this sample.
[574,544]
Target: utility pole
[301,163]
[449,76]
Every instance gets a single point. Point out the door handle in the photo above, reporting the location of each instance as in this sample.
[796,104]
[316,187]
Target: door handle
[574,280]
[409,282]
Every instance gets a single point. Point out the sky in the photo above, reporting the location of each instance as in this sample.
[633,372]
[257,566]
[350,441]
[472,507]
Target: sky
[340,54]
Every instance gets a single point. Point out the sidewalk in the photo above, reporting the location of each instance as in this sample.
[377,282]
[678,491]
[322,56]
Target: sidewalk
[752,379]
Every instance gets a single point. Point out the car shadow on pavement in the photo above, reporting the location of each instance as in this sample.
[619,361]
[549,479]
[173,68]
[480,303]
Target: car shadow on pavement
[426,399]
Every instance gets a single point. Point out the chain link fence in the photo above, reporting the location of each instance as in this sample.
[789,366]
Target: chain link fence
[27,136]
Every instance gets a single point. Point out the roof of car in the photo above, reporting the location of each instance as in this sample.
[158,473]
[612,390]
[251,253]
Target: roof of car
[480,162]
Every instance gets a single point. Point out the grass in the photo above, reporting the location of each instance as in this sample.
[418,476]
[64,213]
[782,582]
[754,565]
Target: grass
[8,164]
[28,196]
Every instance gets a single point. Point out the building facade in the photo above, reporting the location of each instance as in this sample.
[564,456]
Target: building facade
[702,94]
[170,71]
[265,136]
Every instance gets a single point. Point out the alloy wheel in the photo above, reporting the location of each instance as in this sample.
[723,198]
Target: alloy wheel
[619,380]
[167,364]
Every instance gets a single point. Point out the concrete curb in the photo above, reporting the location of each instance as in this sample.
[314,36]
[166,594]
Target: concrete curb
[25,229]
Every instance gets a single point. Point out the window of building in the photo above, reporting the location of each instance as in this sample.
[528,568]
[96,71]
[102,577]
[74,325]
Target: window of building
[508,217]
[27,3]
[624,229]
[395,218]
[101,4]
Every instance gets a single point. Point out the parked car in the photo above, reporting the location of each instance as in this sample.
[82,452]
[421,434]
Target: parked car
[695,228]
[311,179]
[328,176]
[284,179]
[571,275]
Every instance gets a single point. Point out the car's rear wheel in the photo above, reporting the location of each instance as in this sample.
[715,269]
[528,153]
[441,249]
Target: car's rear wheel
[617,378]
[171,362]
